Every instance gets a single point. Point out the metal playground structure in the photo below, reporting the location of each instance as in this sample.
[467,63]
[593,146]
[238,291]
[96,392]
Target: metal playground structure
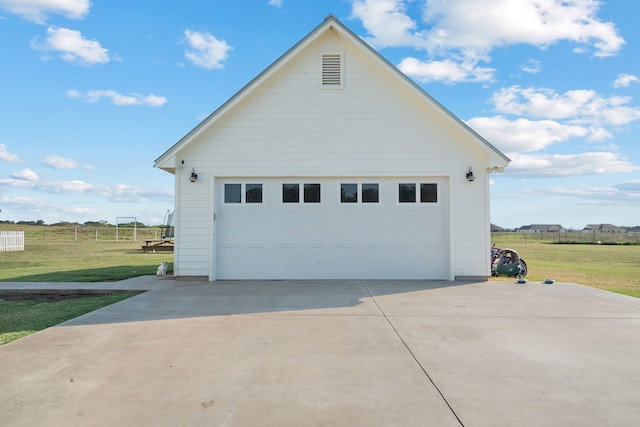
[166,236]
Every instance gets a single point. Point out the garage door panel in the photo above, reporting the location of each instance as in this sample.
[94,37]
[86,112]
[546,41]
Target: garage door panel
[334,260]
[255,262]
[330,239]
[304,227]
[233,259]
[359,265]
[241,227]
[364,228]
[424,229]
[303,266]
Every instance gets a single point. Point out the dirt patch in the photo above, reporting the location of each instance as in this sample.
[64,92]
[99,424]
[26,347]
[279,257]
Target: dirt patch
[54,296]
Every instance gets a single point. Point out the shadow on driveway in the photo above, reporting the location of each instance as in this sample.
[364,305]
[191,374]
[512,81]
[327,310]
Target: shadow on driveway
[184,299]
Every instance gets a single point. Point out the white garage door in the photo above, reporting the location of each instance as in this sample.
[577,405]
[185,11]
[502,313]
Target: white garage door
[307,228]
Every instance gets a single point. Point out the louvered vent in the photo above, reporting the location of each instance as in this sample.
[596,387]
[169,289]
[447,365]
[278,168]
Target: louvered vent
[331,69]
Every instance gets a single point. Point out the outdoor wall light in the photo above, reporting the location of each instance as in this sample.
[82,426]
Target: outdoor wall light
[470,176]
[194,176]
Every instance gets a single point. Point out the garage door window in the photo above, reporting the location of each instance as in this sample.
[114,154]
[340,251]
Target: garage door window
[291,193]
[312,193]
[253,193]
[349,193]
[408,193]
[428,193]
[233,193]
[370,193]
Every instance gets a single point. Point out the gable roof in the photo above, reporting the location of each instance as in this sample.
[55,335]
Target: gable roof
[602,227]
[167,162]
[541,227]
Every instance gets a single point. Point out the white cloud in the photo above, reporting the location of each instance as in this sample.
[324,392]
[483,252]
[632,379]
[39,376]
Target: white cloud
[446,71]
[532,66]
[482,25]
[74,186]
[632,186]
[118,193]
[205,50]
[554,165]
[589,196]
[388,23]
[59,162]
[126,193]
[6,156]
[27,203]
[20,202]
[25,175]
[552,118]
[119,99]
[38,10]
[49,186]
[524,135]
[576,106]
[276,3]
[460,34]
[624,80]
[73,47]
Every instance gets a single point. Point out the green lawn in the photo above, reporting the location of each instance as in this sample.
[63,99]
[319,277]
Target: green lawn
[21,318]
[82,261]
[614,268]
[59,254]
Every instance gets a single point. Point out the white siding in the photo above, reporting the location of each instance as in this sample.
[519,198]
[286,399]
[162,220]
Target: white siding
[193,225]
[471,235]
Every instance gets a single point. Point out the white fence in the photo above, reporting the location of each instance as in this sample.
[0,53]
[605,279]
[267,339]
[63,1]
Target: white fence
[11,241]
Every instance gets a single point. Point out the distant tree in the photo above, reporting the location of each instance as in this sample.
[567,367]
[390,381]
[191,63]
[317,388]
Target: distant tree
[66,224]
[132,224]
[101,223]
[38,222]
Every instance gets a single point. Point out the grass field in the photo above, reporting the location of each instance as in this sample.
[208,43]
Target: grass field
[67,254]
[19,318]
[614,268]
[53,255]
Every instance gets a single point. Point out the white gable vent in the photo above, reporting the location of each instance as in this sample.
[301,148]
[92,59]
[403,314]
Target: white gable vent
[332,70]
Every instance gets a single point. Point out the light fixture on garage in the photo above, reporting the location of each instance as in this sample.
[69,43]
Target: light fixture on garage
[470,176]
[194,176]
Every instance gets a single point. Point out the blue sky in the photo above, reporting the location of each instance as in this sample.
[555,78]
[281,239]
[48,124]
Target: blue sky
[92,92]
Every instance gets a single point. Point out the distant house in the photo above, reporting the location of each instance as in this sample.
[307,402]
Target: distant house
[541,228]
[603,228]
[495,228]
[635,229]
[332,164]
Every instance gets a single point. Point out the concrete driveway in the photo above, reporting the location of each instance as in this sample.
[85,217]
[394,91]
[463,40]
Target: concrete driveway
[334,353]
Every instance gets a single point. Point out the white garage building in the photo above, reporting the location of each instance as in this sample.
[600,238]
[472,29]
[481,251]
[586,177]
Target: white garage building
[332,164]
